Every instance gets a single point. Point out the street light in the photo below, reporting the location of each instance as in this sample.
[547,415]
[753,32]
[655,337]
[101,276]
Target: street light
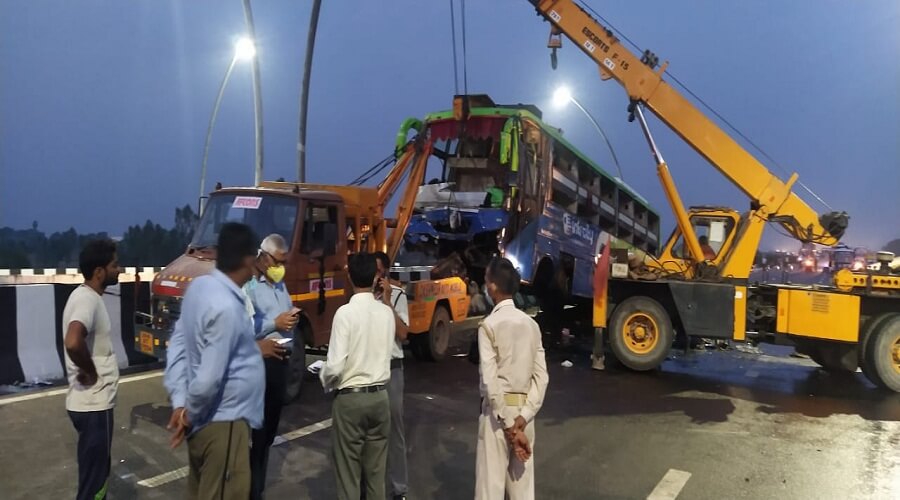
[244,50]
[563,96]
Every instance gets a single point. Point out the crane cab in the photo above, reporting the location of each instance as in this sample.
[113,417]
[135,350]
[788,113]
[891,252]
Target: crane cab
[714,227]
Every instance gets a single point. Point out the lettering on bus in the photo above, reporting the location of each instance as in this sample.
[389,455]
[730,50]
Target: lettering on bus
[574,227]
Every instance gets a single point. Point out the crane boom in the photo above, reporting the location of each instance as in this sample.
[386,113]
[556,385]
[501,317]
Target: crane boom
[771,198]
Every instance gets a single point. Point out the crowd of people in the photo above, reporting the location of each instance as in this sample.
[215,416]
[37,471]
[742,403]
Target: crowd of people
[227,375]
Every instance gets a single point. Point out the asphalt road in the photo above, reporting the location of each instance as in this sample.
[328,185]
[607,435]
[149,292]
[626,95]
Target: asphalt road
[708,425]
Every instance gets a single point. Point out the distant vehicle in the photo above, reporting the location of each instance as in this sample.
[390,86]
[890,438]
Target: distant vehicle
[841,257]
[807,258]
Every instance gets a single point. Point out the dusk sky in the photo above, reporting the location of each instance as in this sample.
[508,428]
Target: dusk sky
[104,104]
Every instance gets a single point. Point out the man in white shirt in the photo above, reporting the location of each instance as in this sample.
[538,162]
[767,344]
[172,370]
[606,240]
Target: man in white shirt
[513,383]
[92,368]
[358,369]
[394,297]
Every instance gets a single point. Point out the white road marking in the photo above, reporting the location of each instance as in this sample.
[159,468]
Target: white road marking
[63,390]
[174,475]
[670,485]
[164,478]
[301,432]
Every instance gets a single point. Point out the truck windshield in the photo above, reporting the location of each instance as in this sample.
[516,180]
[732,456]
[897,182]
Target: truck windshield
[266,214]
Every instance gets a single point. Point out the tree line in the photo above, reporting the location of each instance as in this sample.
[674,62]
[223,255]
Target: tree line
[148,245]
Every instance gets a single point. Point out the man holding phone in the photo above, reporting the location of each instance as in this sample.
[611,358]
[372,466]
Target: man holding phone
[274,319]
[394,297]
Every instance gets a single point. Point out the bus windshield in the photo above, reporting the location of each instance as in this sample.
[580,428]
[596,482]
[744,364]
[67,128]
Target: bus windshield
[266,214]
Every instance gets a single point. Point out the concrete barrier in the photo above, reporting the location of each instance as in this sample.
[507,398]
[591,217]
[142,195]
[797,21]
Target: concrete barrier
[31,331]
[69,276]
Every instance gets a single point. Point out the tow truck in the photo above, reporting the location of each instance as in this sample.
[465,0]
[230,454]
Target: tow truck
[322,224]
[855,322]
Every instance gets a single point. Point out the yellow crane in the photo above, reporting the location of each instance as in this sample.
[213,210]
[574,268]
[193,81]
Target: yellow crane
[701,286]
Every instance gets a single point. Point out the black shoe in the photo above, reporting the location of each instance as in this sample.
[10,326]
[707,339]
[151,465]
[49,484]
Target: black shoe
[399,497]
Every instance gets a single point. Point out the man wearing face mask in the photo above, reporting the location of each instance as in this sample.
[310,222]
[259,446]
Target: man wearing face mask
[92,367]
[273,319]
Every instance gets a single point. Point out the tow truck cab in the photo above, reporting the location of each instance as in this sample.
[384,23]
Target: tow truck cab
[315,225]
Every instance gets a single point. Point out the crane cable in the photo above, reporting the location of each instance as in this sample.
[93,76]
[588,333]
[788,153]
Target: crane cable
[709,108]
[465,79]
[462,4]
[372,171]
[453,38]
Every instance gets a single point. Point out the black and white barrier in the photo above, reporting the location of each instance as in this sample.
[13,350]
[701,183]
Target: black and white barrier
[31,332]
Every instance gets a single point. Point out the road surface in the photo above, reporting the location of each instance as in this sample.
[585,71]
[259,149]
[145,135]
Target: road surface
[708,425]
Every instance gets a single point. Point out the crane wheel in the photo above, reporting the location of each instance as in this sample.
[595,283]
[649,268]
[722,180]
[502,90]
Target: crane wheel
[866,334]
[883,354]
[433,344]
[640,333]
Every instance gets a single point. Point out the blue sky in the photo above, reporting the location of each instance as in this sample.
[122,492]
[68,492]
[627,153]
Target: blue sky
[104,104]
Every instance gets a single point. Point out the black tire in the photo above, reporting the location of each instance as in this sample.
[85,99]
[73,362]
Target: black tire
[865,335]
[640,333]
[883,354]
[433,344]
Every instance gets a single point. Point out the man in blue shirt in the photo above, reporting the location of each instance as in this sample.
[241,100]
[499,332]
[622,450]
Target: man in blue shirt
[273,319]
[215,375]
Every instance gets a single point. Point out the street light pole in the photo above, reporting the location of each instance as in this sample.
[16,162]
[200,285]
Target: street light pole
[304,93]
[257,99]
[209,130]
[243,49]
[562,96]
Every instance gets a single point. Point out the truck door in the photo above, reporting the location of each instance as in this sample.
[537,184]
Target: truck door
[324,249]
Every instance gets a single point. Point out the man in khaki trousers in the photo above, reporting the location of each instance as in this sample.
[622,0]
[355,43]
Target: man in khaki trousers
[513,383]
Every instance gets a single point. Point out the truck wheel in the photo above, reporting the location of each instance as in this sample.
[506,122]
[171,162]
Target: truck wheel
[883,354]
[433,344]
[866,334]
[640,333]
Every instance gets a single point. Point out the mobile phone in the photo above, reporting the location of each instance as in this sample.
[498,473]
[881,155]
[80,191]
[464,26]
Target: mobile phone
[295,311]
[283,341]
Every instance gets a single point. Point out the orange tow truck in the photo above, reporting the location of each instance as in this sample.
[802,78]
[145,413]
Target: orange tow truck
[323,224]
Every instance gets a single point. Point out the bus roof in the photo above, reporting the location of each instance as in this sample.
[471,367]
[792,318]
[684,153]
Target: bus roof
[554,132]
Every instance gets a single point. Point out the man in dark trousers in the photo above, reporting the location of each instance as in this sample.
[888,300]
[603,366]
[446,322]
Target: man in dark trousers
[273,321]
[358,369]
[394,297]
[92,368]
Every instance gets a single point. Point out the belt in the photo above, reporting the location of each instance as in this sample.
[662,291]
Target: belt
[515,399]
[396,363]
[366,389]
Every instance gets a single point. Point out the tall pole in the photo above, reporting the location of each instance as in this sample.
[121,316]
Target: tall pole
[257,99]
[304,93]
[600,131]
[209,130]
